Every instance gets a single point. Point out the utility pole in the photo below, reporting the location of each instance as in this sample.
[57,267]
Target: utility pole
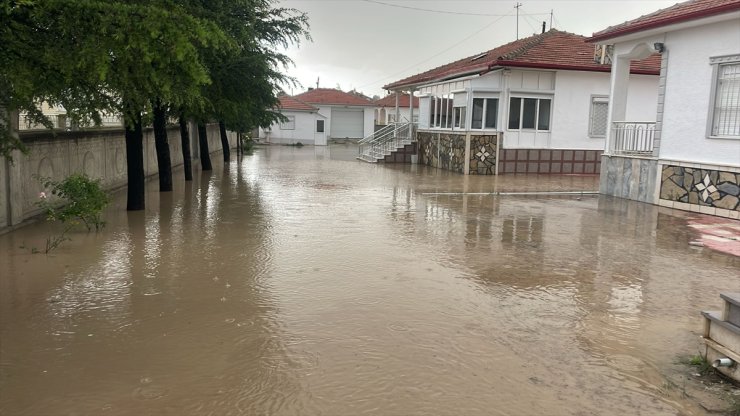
[317,82]
[518,5]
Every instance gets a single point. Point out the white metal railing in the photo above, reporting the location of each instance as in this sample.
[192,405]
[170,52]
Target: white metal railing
[633,137]
[386,140]
[62,122]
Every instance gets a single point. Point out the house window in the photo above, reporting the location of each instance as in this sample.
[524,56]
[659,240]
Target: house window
[529,113]
[599,115]
[391,118]
[441,112]
[725,113]
[289,124]
[458,114]
[485,113]
[319,126]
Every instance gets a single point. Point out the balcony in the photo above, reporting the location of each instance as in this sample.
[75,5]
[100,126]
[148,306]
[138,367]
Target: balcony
[633,138]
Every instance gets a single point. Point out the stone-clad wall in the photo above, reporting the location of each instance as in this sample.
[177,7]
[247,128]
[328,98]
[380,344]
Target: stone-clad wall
[442,150]
[701,188]
[483,155]
[628,177]
[100,154]
[449,151]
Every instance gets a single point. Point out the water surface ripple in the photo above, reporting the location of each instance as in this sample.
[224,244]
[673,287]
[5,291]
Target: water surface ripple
[300,281]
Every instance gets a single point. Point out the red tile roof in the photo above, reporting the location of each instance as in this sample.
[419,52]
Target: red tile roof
[681,12]
[553,49]
[329,96]
[290,103]
[390,101]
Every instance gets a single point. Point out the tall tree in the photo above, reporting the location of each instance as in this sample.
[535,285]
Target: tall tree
[162,146]
[185,144]
[246,76]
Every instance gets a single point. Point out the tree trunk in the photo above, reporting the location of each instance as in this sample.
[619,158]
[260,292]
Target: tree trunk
[185,140]
[224,141]
[135,163]
[205,155]
[163,147]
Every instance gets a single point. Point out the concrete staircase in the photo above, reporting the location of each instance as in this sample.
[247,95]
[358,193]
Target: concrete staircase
[722,336]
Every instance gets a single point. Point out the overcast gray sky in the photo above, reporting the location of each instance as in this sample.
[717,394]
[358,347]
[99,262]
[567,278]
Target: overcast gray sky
[364,44]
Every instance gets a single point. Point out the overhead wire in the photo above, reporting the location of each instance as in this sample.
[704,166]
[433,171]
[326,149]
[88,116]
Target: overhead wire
[400,6]
[439,53]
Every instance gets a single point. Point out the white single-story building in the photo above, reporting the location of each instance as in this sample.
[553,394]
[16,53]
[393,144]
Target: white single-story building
[689,158]
[392,108]
[305,124]
[535,105]
[348,116]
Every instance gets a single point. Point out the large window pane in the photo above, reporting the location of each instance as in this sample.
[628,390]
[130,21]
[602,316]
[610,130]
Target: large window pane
[529,114]
[515,106]
[477,122]
[543,117]
[491,113]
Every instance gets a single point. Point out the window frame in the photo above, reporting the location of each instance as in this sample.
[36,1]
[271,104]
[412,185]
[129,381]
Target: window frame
[484,115]
[288,125]
[592,101]
[538,98]
[716,63]
[323,126]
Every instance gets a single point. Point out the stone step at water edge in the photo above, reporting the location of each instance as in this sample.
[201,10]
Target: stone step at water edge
[715,317]
[731,312]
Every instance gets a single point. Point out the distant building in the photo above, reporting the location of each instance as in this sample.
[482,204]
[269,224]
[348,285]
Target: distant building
[348,116]
[304,124]
[385,111]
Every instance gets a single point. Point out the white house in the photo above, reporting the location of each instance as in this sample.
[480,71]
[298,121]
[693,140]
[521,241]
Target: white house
[392,108]
[535,105]
[689,158]
[305,124]
[348,116]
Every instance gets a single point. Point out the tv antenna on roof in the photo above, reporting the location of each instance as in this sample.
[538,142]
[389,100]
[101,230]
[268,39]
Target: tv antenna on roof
[518,5]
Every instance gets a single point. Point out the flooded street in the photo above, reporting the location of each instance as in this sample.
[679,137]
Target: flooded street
[300,281]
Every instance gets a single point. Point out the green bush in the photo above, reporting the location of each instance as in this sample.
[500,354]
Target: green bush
[79,200]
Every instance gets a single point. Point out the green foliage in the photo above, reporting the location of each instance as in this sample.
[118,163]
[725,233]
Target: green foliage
[215,59]
[81,200]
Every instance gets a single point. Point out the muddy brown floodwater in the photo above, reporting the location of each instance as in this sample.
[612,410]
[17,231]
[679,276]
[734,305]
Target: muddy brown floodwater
[300,281]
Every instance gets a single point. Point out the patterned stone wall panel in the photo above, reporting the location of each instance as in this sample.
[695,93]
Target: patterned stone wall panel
[703,187]
[452,152]
[482,155]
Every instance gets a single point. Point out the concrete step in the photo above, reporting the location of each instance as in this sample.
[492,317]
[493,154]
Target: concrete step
[731,311]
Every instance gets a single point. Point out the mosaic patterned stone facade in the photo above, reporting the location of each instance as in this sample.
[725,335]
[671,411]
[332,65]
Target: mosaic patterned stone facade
[483,155]
[703,187]
[442,150]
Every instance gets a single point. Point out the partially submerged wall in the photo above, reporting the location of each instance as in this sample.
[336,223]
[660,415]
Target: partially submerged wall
[101,154]
[466,153]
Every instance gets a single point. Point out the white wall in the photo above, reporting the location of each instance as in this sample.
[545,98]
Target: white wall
[304,131]
[572,106]
[688,86]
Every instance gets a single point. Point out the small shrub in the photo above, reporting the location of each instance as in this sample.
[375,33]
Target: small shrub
[81,200]
[247,145]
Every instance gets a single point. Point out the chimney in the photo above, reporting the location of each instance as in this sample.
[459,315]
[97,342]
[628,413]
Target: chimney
[543,27]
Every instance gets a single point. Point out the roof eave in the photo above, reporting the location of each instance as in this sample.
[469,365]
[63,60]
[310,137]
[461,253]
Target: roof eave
[699,14]
[479,70]
[540,65]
